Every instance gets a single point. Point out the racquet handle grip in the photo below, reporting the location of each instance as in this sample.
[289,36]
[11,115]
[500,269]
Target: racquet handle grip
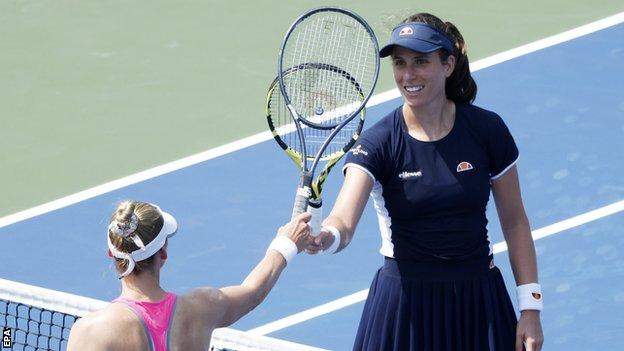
[301,201]
[316,210]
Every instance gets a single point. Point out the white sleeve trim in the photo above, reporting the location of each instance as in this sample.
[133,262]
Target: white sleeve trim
[362,168]
[505,170]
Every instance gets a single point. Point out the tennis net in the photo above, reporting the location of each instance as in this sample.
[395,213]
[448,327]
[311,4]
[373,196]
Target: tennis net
[34,318]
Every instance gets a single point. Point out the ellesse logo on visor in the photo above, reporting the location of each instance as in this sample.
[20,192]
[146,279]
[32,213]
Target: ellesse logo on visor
[406,31]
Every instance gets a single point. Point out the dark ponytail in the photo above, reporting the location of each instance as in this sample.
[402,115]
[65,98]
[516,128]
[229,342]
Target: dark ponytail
[460,87]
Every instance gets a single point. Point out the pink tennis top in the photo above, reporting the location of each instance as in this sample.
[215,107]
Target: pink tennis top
[155,317]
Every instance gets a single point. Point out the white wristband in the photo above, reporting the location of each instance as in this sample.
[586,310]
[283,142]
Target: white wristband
[285,247]
[530,297]
[334,246]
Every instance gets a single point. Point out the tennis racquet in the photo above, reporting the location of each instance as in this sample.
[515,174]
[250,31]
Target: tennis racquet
[285,134]
[327,70]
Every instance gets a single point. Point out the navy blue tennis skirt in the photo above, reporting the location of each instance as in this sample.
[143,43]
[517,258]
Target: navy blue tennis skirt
[432,306]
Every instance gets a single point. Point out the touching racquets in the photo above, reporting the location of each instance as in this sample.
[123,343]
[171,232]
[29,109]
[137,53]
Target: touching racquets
[286,136]
[327,70]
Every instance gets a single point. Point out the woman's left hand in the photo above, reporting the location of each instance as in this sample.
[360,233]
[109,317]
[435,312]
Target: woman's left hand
[529,335]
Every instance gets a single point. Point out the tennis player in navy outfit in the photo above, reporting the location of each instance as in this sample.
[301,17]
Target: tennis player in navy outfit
[429,167]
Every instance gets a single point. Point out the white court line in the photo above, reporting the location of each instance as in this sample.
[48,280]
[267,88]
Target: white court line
[260,137]
[134,178]
[498,248]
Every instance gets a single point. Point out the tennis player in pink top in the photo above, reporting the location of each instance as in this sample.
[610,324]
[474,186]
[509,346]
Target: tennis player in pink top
[145,317]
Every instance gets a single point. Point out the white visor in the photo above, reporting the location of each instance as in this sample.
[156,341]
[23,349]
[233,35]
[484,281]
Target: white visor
[169,229]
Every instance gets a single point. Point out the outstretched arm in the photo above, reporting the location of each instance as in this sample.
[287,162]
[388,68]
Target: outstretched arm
[237,301]
[517,232]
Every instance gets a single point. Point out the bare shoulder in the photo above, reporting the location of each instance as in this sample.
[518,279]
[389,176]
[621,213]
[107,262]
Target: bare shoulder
[87,332]
[90,324]
[209,303]
[197,313]
[204,295]
[105,329]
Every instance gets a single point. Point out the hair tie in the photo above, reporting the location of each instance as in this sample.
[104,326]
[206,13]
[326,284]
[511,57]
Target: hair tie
[126,228]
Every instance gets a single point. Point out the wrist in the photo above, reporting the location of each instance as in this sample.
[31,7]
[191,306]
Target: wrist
[284,246]
[337,238]
[535,313]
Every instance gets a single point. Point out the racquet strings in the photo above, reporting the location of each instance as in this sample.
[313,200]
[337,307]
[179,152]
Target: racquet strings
[325,95]
[314,138]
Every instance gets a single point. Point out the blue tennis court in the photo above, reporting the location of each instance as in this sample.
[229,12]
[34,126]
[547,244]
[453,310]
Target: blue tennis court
[565,107]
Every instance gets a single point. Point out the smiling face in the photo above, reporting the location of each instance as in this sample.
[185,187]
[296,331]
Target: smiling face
[421,78]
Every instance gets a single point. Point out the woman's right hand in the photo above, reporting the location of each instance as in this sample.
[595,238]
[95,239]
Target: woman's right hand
[298,230]
[320,242]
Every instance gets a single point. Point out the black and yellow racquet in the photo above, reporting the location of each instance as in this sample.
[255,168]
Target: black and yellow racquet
[286,136]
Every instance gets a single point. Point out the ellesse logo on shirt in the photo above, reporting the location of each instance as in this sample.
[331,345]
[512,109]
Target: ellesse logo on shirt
[464,166]
[405,175]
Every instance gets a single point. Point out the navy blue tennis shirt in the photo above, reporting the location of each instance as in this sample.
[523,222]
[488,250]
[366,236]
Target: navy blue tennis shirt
[431,197]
